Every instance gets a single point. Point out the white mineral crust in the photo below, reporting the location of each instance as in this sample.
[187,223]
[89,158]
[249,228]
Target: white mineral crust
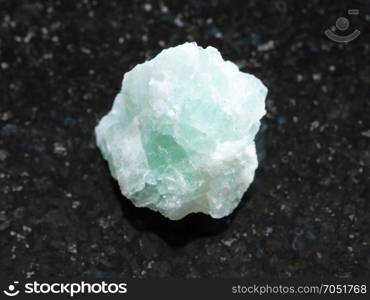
[180,136]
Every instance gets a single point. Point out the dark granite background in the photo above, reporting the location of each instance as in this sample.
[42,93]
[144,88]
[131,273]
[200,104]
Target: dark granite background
[61,214]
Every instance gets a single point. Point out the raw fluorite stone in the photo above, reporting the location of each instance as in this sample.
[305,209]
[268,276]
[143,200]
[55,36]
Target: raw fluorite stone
[180,135]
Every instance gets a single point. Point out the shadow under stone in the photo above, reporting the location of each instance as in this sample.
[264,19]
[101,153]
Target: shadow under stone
[175,233]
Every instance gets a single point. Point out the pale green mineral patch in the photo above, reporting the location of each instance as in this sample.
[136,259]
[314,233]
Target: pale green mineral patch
[180,135]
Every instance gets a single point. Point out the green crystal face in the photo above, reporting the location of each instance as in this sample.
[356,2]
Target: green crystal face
[180,135]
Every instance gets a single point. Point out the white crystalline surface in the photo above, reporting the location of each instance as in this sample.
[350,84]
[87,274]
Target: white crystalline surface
[180,135]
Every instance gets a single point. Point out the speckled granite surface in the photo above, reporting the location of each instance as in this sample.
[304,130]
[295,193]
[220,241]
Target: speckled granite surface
[61,214]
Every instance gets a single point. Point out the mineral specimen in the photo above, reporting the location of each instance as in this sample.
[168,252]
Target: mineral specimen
[180,135]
